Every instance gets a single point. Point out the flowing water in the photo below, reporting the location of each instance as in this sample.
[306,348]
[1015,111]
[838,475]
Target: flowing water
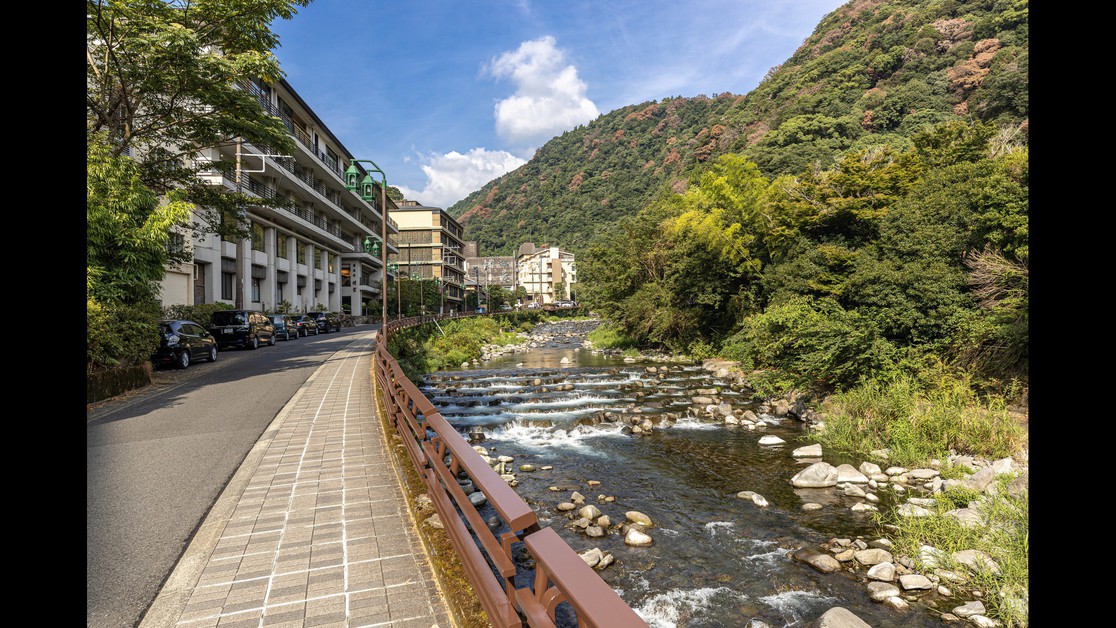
[717,560]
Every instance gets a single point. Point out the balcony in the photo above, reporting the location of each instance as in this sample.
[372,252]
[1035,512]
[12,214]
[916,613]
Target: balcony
[266,191]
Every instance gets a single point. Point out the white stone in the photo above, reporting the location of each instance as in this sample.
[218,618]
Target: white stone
[759,500]
[884,572]
[480,450]
[809,451]
[910,510]
[977,561]
[915,582]
[944,591]
[896,470]
[811,506]
[880,591]
[873,556]
[968,517]
[871,497]
[506,459]
[817,475]
[930,557]
[771,440]
[869,469]
[924,474]
[639,518]
[840,617]
[853,490]
[862,507]
[984,622]
[848,473]
[969,609]
[592,557]
[897,603]
[635,538]
[1004,466]
[589,512]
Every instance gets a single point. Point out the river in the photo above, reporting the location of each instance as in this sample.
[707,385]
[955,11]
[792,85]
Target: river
[717,560]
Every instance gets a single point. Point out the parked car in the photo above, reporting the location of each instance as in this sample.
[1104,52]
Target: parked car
[285,327]
[564,304]
[182,342]
[307,324]
[506,308]
[327,321]
[533,306]
[241,328]
[481,310]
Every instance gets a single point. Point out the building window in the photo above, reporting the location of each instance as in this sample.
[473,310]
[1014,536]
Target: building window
[227,286]
[317,258]
[257,237]
[255,290]
[279,292]
[300,252]
[281,246]
[331,264]
[176,244]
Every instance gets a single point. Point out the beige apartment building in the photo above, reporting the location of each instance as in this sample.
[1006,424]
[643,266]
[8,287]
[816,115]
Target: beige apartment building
[325,249]
[429,247]
[547,273]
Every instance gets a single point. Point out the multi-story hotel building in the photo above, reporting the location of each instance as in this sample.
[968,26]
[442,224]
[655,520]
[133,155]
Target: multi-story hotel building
[324,249]
[429,246]
[547,273]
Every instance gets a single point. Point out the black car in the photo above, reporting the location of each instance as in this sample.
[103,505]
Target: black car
[241,328]
[327,321]
[182,342]
[307,324]
[285,327]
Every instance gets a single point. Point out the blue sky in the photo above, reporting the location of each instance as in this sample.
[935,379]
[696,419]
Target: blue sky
[446,95]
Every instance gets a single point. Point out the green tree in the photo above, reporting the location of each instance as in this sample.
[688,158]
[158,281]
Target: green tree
[166,78]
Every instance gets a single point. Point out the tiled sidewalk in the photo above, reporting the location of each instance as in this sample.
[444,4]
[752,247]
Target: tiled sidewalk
[313,530]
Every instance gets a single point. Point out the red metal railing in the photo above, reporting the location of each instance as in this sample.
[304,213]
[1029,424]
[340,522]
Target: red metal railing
[442,458]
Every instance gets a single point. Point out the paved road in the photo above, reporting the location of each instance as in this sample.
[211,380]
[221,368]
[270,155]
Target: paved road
[157,459]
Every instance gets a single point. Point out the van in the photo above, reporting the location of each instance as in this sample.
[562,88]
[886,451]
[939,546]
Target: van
[241,328]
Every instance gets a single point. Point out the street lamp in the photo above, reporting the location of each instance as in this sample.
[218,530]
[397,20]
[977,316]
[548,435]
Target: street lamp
[366,190]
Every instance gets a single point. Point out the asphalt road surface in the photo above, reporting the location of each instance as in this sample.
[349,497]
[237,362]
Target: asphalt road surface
[158,458]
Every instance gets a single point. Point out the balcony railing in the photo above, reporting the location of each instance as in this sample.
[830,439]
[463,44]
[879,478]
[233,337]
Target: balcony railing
[265,191]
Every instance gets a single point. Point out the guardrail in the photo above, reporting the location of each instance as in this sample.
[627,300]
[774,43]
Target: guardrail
[442,457]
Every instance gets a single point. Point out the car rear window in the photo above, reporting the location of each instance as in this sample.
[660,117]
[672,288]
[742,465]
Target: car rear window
[228,318]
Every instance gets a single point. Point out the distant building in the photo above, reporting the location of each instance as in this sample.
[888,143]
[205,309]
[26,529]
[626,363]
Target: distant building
[547,273]
[430,247]
[493,270]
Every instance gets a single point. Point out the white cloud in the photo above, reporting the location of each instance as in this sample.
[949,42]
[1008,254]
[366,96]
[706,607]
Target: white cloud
[453,176]
[549,97]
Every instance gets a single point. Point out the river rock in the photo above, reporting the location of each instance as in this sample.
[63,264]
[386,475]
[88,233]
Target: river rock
[880,478]
[771,440]
[980,480]
[869,469]
[848,473]
[591,557]
[809,451]
[702,401]
[884,572]
[944,591]
[984,622]
[822,562]
[603,521]
[969,609]
[852,490]
[930,557]
[871,497]
[873,556]
[862,507]
[915,582]
[1004,466]
[606,560]
[594,531]
[527,468]
[881,543]
[536,382]
[811,506]
[731,420]
[893,471]
[910,510]
[839,617]
[477,499]
[844,556]
[639,518]
[565,506]
[581,523]
[968,517]
[434,521]
[759,500]
[635,538]
[897,603]
[480,450]
[782,407]
[748,415]
[724,409]
[976,560]
[505,459]
[880,591]
[564,360]
[589,512]
[923,474]
[577,498]
[1018,486]
[817,475]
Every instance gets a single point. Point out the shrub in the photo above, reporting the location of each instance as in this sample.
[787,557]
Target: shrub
[120,335]
[609,336]
[815,342]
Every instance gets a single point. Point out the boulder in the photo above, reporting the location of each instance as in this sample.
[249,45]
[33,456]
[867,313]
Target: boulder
[969,609]
[771,440]
[880,591]
[968,517]
[639,518]
[915,582]
[759,500]
[635,538]
[817,475]
[809,451]
[811,506]
[822,562]
[848,473]
[893,471]
[782,407]
[984,622]
[852,490]
[980,480]
[839,617]
[923,474]
[749,416]
[1004,466]
[845,556]
[911,510]
[873,556]
[884,572]
[591,557]
[869,469]
[594,531]
[976,560]
[589,512]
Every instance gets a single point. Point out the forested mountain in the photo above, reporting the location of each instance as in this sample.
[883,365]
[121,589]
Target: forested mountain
[873,73]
